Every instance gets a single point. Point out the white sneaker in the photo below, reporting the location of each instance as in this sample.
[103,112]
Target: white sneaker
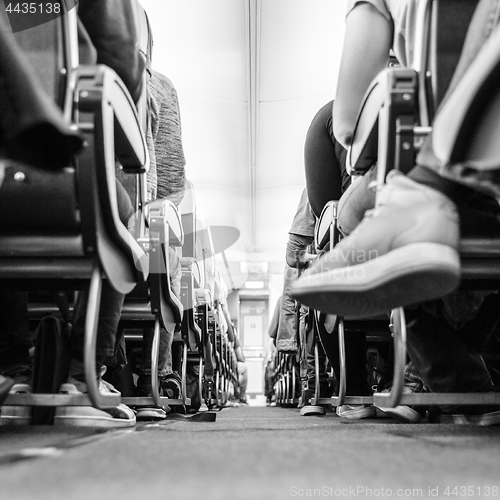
[356,412]
[403,413]
[16,415]
[76,416]
[403,252]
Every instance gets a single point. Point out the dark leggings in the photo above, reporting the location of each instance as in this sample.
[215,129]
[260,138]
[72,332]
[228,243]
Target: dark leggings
[324,161]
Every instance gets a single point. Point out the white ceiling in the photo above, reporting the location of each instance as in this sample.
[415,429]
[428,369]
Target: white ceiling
[213,51]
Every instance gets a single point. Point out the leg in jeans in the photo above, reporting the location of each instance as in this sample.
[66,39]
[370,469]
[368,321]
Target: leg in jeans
[242,381]
[442,358]
[465,344]
[286,339]
[15,340]
[355,351]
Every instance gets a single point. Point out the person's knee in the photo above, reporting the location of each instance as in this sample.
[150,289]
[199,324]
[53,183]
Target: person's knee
[356,201]
[242,368]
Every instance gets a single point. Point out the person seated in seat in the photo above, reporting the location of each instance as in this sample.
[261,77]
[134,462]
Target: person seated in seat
[426,210]
[109,40]
[242,372]
[166,180]
[237,350]
[269,375]
[327,179]
[301,236]
[373,29]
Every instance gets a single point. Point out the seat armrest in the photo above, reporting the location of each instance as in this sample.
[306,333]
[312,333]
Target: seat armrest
[94,117]
[326,226]
[165,210]
[203,296]
[130,143]
[191,265]
[384,130]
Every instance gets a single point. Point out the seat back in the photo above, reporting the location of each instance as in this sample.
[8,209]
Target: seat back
[72,237]
[44,51]
[187,209]
[205,256]
[59,238]
[39,206]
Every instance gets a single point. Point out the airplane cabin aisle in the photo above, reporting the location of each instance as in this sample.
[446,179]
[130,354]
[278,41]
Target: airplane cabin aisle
[251,452]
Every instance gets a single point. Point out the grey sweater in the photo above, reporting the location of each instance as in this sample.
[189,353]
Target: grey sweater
[166,176]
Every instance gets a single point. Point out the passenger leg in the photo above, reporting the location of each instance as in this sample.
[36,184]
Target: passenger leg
[286,338]
[416,261]
[375,268]
[15,360]
[243,382]
[450,359]
[15,339]
[106,347]
[324,160]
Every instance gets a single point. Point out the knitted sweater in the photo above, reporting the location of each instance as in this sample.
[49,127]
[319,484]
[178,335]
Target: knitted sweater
[166,176]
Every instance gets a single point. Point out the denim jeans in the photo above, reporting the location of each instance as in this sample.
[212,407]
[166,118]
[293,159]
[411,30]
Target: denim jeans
[15,340]
[287,333]
[356,362]
[445,358]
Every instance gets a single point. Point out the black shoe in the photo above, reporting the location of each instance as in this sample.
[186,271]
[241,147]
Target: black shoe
[403,413]
[5,384]
[146,413]
[171,386]
[466,415]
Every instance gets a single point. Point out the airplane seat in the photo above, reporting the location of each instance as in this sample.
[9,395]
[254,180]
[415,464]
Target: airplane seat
[188,212]
[195,324]
[158,228]
[230,338]
[223,346]
[206,260]
[78,238]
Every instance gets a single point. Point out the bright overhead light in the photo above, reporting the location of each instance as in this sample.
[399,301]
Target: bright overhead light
[254,284]
[254,267]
